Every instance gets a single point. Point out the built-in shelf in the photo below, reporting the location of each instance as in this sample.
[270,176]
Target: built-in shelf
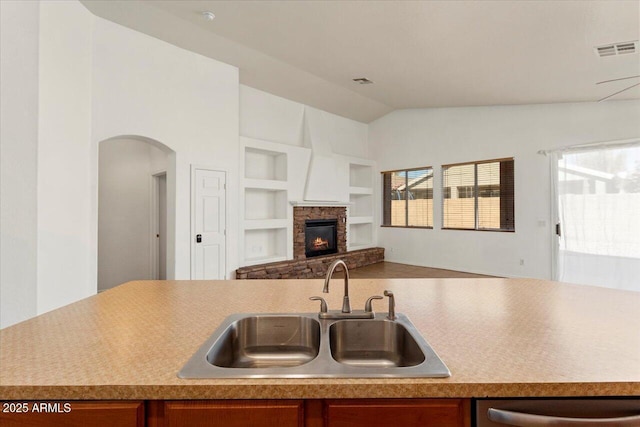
[265,164]
[264,224]
[360,220]
[360,190]
[263,245]
[270,184]
[361,174]
[265,184]
[360,233]
[361,205]
[263,204]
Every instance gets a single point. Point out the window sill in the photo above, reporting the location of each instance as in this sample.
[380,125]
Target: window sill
[480,229]
[408,226]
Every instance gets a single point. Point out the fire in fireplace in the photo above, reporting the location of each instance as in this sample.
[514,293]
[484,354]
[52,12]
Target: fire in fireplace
[320,237]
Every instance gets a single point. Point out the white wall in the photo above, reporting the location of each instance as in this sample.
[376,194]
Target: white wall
[72,80]
[65,271]
[272,118]
[433,137]
[143,86]
[18,156]
[125,208]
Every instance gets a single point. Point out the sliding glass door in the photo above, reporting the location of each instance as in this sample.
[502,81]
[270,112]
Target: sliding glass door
[597,198]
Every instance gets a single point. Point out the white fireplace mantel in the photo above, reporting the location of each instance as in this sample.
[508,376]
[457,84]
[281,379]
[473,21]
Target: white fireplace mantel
[311,203]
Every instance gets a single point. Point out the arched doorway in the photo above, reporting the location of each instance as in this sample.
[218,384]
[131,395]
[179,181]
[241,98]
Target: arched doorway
[135,210]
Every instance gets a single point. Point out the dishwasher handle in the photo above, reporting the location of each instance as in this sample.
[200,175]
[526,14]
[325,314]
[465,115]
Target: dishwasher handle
[522,419]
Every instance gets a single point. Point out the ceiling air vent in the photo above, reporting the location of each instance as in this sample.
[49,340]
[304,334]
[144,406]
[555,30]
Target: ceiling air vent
[626,48]
[363,81]
[616,49]
[609,50]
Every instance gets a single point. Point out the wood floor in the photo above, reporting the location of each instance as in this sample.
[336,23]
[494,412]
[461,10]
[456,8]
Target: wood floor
[394,270]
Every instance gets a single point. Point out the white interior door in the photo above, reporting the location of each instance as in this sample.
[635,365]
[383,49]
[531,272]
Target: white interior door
[158,236]
[208,224]
[162,227]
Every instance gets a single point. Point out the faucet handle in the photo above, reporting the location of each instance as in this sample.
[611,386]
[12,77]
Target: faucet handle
[392,305]
[368,306]
[323,303]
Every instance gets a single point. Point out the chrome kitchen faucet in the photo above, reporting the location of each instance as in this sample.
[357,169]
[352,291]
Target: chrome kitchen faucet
[346,312]
[346,306]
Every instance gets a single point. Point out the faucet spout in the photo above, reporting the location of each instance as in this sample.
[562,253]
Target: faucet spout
[346,306]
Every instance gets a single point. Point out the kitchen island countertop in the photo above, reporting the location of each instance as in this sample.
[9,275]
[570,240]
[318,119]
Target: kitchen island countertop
[499,338]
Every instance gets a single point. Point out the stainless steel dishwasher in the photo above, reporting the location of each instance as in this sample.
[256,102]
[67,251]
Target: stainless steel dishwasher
[560,412]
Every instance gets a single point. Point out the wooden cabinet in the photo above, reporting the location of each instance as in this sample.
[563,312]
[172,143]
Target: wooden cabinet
[73,414]
[241,413]
[400,412]
[227,413]
[311,413]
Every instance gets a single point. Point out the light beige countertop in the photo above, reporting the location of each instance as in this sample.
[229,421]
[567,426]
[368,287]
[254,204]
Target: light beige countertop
[499,337]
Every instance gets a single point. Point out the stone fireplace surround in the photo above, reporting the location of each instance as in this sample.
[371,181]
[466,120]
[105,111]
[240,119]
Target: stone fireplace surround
[301,214]
[302,267]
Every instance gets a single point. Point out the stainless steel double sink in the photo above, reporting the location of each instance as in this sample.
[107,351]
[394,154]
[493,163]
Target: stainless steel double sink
[304,346]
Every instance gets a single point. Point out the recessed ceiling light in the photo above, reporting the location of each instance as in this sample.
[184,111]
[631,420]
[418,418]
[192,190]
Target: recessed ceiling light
[208,16]
[363,81]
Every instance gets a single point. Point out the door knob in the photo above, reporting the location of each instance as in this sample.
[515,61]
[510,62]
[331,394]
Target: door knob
[198,238]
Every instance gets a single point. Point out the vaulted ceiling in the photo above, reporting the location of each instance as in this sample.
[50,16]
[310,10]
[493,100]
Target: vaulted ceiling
[418,53]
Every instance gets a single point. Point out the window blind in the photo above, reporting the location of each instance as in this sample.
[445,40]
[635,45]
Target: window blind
[420,198]
[408,198]
[479,196]
[458,196]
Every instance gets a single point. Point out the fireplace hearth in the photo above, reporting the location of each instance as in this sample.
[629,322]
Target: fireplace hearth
[320,237]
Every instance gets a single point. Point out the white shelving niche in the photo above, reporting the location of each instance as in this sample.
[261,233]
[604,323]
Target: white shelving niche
[360,234]
[267,175]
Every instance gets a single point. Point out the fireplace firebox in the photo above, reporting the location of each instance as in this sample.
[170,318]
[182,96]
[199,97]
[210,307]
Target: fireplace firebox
[320,237]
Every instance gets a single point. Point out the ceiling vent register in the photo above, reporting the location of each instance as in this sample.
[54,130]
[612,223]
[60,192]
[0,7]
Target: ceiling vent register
[617,49]
[363,81]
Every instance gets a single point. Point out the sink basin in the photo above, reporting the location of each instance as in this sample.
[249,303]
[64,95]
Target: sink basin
[373,343]
[303,346]
[267,341]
